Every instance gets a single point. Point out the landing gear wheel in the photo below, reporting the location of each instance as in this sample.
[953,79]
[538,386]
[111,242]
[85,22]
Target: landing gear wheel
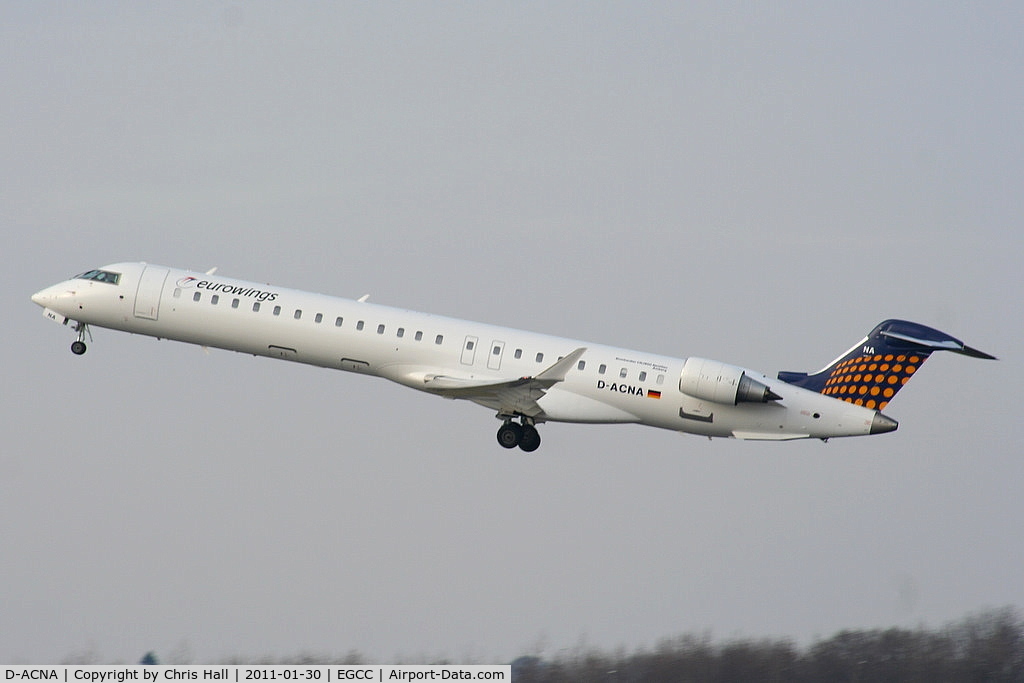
[509,435]
[530,439]
[78,346]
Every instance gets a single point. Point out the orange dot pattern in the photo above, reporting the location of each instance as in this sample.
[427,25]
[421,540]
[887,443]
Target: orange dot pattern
[872,381]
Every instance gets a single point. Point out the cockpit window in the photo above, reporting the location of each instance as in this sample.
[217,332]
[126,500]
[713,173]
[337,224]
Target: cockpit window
[100,276]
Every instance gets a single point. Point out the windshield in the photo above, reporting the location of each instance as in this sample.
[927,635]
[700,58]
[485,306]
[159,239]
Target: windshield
[100,276]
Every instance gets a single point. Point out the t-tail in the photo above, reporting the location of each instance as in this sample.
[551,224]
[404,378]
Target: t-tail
[876,368]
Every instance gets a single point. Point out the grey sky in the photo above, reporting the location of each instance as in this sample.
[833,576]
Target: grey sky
[759,184]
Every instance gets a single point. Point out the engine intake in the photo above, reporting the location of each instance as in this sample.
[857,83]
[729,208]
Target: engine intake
[719,382]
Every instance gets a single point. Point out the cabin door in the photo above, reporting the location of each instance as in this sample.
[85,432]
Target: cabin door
[147,296]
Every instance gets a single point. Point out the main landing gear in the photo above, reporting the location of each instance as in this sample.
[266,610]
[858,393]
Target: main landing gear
[78,347]
[524,435]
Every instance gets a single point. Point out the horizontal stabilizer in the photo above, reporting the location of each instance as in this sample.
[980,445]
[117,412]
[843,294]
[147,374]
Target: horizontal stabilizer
[947,344]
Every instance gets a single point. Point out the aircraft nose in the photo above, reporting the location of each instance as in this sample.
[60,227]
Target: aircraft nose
[50,297]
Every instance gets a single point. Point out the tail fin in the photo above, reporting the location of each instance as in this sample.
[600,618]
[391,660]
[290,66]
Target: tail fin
[877,367]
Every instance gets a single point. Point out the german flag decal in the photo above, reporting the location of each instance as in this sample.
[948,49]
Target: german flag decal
[651,393]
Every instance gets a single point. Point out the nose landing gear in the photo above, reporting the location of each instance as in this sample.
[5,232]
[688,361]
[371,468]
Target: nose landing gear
[78,347]
[524,435]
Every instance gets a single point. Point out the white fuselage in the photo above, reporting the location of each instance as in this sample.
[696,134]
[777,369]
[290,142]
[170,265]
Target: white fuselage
[606,385]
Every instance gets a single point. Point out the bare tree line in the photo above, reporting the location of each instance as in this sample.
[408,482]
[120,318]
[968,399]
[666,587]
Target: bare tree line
[987,646]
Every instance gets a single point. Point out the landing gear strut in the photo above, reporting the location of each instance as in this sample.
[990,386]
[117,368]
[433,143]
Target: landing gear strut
[78,347]
[524,435]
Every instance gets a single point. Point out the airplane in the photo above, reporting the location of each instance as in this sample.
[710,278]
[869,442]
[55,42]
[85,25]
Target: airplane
[526,378]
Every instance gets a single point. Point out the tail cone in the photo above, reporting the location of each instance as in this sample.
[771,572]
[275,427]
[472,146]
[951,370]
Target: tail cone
[882,424]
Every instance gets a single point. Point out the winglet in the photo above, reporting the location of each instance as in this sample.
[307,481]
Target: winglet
[557,372]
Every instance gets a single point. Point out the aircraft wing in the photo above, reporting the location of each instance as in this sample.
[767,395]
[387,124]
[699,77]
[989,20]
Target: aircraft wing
[511,397]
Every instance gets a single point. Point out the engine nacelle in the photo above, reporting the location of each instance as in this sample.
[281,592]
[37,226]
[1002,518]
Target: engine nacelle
[719,382]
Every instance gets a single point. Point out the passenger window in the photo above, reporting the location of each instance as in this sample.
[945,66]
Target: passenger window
[298,314]
[214,299]
[601,368]
[582,364]
[469,346]
[419,336]
[643,376]
[177,292]
[359,325]
[380,329]
[661,379]
[234,303]
[518,354]
[197,296]
[277,310]
[438,339]
[337,321]
[622,373]
[319,318]
[496,351]
[401,332]
[540,357]
[256,307]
